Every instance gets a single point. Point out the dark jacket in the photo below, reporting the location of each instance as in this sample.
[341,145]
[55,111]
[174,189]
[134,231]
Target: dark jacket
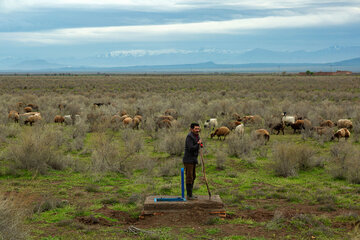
[191,149]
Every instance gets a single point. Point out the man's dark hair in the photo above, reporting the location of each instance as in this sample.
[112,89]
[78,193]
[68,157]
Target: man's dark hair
[194,125]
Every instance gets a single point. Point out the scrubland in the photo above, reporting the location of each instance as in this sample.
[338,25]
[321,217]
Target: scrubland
[88,180]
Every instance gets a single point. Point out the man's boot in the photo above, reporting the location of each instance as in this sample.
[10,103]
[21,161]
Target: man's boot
[189,192]
[194,197]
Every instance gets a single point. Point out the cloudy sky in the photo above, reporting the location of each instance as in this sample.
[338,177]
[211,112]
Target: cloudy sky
[84,28]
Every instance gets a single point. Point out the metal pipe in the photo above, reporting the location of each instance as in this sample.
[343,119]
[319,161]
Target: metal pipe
[182,184]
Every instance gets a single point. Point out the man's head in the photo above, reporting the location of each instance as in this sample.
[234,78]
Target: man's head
[195,128]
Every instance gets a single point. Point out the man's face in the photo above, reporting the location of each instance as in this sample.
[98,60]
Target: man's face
[196,130]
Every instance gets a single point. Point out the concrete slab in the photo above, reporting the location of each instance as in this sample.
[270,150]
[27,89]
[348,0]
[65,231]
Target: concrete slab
[203,203]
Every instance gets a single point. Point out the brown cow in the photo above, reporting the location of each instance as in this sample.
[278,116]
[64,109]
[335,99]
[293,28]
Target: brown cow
[59,119]
[344,123]
[233,124]
[251,119]
[262,134]
[33,106]
[221,131]
[277,127]
[32,119]
[327,123]
[135,123]
[171,112]
[14,115]
[127,121]
[165,123]
[341,133]
[116,119]
[28,109]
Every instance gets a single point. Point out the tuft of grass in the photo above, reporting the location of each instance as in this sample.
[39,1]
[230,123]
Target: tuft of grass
[37,150]
[48,204]
[289,159]
[11,221]
[345,162]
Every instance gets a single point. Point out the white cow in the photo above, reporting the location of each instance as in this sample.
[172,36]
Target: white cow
[211,123]
[288,120]
[68,119]
[240,130]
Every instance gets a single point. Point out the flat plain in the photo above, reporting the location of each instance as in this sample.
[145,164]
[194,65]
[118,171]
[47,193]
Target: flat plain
[88,178]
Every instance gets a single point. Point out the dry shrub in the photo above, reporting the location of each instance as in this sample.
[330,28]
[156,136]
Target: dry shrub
[239,146]
[48,203]
[37,150]
[133,141]
[288,159]
[220,160]
[345,162]
[171,142]
[11,221]
[105,157]
[9,130]
[170,167]
[80,129]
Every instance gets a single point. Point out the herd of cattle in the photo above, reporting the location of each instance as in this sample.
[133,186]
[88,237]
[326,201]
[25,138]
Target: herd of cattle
[31,115]
[296,123]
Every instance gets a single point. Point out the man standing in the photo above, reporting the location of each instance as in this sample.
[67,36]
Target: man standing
[192,146]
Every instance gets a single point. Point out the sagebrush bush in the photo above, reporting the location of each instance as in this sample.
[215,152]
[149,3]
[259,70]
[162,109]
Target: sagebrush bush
[11,221]
[171,142]
[220,160]
[239,146]
[37,150]
[133,141]
[106,155]
[170,167]
[288,159]
[345,162]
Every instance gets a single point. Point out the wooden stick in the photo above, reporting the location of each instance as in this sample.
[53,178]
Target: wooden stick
[203,170]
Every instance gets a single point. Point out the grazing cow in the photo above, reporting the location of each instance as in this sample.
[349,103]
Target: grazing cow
[240,130]
[165,123]
[59,119]
[233,124]
[327,123]
[322,130]
[277,127]
[127,121]
[14,115]
[138,116]
[171,112]
[69,120]
[298,125]
[20,105]
[262,134]
[61,106]
[211,123]
[122,113]
[221,131]
[116,119]
[165,117]
[236,117]
[99,104]
[251,119]
[288,120]
[344,123]
[28,109]
[34,107]
[341,133]
[123,117]
[31,118]
[135,123]
[301,124]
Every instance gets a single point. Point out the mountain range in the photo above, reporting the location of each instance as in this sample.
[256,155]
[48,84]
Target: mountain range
[256,60]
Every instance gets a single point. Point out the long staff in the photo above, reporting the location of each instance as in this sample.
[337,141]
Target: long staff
[203,170]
